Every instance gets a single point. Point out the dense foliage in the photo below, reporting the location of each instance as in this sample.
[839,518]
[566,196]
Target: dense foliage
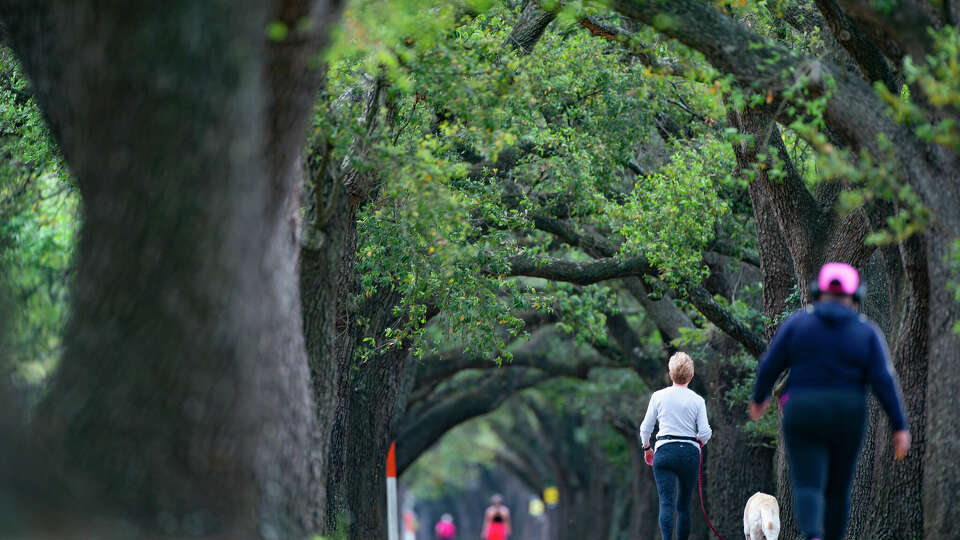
[481,141]
[38,223]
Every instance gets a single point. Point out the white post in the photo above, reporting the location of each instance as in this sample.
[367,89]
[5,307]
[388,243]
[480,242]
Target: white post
[393,522]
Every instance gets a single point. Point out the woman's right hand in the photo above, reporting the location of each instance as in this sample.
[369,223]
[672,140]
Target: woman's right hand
[757,410]
[901,444]
[648,456]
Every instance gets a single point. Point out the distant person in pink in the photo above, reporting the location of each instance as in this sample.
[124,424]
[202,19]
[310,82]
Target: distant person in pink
[445,529]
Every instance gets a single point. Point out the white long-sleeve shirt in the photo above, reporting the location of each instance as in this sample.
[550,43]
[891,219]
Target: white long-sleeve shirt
[680,412]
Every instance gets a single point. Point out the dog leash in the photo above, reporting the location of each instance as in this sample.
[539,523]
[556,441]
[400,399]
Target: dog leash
[699,477]
[700,486]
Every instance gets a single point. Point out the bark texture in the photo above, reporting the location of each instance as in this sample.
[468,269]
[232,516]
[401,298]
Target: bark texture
[941,475]
[529,28]
[180,405]
[736,466]
[355,401]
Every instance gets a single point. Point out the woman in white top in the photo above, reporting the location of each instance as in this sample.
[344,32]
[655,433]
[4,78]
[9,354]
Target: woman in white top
[682,415]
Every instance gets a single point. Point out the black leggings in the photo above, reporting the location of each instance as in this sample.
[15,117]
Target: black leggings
[823,431]
[675,467]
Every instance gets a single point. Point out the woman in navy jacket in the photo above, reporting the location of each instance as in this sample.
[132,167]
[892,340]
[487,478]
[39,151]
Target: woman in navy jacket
[833,354]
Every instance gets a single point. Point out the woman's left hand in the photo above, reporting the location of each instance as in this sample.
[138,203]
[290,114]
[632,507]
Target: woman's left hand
[648,457]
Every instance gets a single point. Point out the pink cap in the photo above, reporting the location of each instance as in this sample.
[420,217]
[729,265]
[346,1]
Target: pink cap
[838,278]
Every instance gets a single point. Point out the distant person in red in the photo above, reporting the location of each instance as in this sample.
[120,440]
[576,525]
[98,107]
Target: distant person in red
[445,529]
[409,525]
[496,520]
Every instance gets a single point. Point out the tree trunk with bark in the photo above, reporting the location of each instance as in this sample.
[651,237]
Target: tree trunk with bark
[529,28]
[360,397]
[941,476]
[736,466]
[327,270]
[373,394]
[644,506]
[180,404]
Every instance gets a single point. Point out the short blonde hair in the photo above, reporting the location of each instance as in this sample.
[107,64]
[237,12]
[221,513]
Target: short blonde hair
[681,368]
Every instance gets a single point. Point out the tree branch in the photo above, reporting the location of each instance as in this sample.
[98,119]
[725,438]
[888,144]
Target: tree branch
[667,317]
[728,249]
[519,467]
[629,42]
[594,245]
[522,440]
[529,27]
[418,433]
[907,24]
[580,273]
[635,267]
[724,320]
[422,426]
[863,50]
[444,365]
[631,348]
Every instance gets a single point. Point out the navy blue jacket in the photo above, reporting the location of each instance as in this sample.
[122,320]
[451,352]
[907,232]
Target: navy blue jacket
[831,346]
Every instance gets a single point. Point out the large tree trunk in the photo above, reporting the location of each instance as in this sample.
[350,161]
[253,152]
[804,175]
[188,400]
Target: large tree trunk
[359,398]
[736,467]
[941,476]
[367,395]
[371,392]
[883,486]
[329,249]
[181,402]
[779,278]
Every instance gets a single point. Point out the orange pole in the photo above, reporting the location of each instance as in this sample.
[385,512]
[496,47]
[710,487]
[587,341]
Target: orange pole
[393,521]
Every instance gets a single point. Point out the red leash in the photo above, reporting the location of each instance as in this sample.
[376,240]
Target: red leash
[700,486]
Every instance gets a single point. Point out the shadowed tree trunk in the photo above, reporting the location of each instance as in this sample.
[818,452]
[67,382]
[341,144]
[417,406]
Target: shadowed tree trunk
[737,466]
[370,395]
[181,403]
[329,248]
[884,304]
[644,508]
[941,478]
[359,397]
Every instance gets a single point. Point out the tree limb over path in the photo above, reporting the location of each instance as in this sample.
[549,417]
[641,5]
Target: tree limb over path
[580,273]
[422,426]
[603,269]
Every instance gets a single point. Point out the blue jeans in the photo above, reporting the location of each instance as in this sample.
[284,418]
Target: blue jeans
[823,431]
[675,464]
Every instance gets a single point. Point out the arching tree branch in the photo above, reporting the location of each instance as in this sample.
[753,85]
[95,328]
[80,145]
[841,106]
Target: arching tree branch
[580,273]
[418,432]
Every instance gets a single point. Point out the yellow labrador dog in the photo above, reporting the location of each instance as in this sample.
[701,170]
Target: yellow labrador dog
[761,517]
